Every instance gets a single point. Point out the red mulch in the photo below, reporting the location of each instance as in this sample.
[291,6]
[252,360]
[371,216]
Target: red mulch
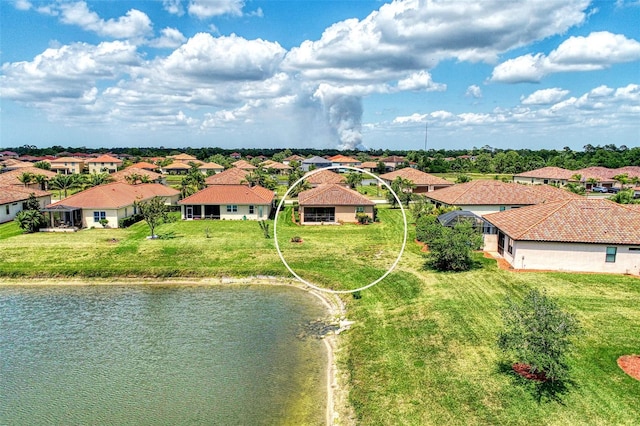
[424,248]
[524,371]
[630,364]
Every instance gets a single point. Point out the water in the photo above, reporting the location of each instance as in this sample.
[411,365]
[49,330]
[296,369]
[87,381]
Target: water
[159,355]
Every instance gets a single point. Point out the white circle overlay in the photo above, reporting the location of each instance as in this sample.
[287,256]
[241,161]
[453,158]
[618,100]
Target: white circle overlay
[302,280]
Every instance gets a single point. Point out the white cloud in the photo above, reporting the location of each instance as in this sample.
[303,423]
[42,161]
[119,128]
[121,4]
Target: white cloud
[174,7]
[545,96]
[134,24]
[474,91]
[411,35]
[170,38]
[420,81]
[599,50]
[204,9]
[23,4]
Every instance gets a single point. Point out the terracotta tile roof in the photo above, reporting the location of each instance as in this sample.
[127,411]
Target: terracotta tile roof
[243,164]
[332,195]
[66,160]
[631,171]
[369,165]
[11,177]
[495,192]
[343,159]
[12,163]
[634,207]
[324,176]
[13,194]
[230,194]
[549,173]
[105,159]
[270,164]
[122,174]
[415,176]
[144,165]
[294,157]
[602,174]
[393,159]
[183,157]
[116,195]
[231,176]
[177,165]
[211,166]
[577,220]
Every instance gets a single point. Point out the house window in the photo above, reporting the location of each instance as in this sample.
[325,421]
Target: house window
[360,209]
[509,245]
[97,216]
[233,208]
[6,208]
[634,249]
[502,208]
[611,254]
[251,209]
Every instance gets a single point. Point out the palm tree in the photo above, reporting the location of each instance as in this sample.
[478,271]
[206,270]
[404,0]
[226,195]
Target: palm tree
[354,179]
[42,180]
[623,179]
[26,178]
[95,179]
[64,183]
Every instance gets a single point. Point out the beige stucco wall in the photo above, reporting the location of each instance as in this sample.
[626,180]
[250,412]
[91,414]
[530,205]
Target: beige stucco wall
[74,167]
[241,214]
[490,242]
[16,207]
[344,214]
[573,257]
[97,167]
[539,181]
[112,216]
[484,209]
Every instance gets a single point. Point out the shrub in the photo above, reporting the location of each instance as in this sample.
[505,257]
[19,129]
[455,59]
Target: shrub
[296,239]
[452,249]
[538,333]
[363,218]
[126,222]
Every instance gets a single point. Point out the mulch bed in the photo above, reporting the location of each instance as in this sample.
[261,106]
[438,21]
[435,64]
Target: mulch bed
[524,371]
[424,247]
[630,364]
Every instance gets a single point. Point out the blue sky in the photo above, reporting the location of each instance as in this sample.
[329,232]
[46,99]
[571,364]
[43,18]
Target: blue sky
[320,74]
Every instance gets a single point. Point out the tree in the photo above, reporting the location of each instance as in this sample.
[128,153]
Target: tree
[31,218]
[354,179]
[63,183]
[25,178]
[153,211]
[537,332]
[41,180]
[403,188]
[462,178]
[95,179]
[193,182]
[622,179]
[44,165]
[452,249]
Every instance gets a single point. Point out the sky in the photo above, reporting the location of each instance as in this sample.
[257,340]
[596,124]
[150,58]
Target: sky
[347,74]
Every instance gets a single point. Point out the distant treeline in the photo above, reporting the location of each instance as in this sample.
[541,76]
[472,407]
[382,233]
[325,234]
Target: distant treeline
[484,160]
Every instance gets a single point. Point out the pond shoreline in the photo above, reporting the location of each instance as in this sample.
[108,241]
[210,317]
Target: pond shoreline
[336,394]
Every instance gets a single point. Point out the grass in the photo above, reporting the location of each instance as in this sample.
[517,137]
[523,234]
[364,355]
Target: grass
[452,176]
[422,350]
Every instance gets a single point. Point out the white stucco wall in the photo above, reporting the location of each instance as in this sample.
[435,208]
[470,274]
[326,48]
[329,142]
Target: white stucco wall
[112,216]
[481,210]
[16,207]
[241,214]
[573,257]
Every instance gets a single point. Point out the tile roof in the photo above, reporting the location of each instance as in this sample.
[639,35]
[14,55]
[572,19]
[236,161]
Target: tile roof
[230,194]
[231,176]
[332,195]
[177,165]
[294,157]
[211,166]
[369,165]
[495,192]
[270,164]
[416,176]
[183,157]
[11,177]
[324,176]
[576,220]
[66,160]
[105,159]
[393,159]
[122,174]
[116,195]
[549,173]
[13,194]
[144,165]
[243,164]
[343,159]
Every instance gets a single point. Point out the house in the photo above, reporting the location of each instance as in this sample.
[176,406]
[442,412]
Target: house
[369,166]
[244,165]
[14,164]
[11,178]
[185,158]
[13,199]
[333,204]
[175,168]
[235,155]
[489,196]
[134,175]
[104,163]
[546,176]
[112,201]
[145,165]
[67,165]
[230,176]
[315,163]
[298,159]
[8,154]
[578,235]
[211,168]
[324,177]
[230,202]
[424,182]
[278,168]
[393,162]
[342,160]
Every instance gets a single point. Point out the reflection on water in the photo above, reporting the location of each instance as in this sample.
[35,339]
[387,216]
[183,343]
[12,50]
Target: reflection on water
[159,355]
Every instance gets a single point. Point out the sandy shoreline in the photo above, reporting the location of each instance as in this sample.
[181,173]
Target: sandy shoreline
[334,305]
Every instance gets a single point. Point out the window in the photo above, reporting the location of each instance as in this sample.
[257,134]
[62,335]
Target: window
[611,254]
[232,208]
[634,249]
[502,208]
[7,209]
[509,245]
[251,209]
[97,216]
[360,209]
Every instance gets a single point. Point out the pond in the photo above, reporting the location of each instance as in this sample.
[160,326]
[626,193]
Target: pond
[160,355]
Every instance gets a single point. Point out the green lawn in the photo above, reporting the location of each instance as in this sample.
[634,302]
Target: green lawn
[422,350]
[452,176]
